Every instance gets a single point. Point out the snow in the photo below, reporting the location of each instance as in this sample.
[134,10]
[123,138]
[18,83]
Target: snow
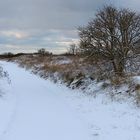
[60,62]
[38,112]
[137,79]
[37,109]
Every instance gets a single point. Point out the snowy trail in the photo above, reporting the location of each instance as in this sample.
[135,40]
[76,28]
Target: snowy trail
[39,112]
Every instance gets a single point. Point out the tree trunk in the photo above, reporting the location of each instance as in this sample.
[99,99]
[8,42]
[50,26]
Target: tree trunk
[118,67]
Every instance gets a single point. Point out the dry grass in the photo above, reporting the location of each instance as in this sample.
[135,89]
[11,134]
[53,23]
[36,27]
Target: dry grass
[137,90]
[52,64]
[76,68]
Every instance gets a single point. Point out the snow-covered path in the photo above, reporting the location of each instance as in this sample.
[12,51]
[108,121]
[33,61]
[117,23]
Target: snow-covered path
[37,111]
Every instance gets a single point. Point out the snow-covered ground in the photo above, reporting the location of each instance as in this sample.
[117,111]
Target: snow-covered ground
[35,109]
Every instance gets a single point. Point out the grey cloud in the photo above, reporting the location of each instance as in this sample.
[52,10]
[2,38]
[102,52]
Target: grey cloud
[131,4]
[47,13]
[54,20]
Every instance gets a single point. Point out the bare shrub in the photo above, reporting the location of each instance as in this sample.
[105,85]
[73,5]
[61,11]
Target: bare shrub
[4,74]
[137,90]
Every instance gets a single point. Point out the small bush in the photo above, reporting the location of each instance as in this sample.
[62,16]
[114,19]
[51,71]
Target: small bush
[137,90]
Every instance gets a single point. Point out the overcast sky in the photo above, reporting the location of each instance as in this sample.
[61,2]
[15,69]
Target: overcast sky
[27,25]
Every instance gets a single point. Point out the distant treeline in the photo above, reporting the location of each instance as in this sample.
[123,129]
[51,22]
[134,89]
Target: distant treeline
[10,55]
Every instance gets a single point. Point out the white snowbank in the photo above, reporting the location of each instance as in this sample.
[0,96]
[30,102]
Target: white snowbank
[137,79]
[36,109]
[38,113]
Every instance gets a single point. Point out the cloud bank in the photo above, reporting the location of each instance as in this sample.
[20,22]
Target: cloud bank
[27,25]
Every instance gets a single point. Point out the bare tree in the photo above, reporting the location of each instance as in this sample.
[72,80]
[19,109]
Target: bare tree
[42,52]
[73,49]
[111,35]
